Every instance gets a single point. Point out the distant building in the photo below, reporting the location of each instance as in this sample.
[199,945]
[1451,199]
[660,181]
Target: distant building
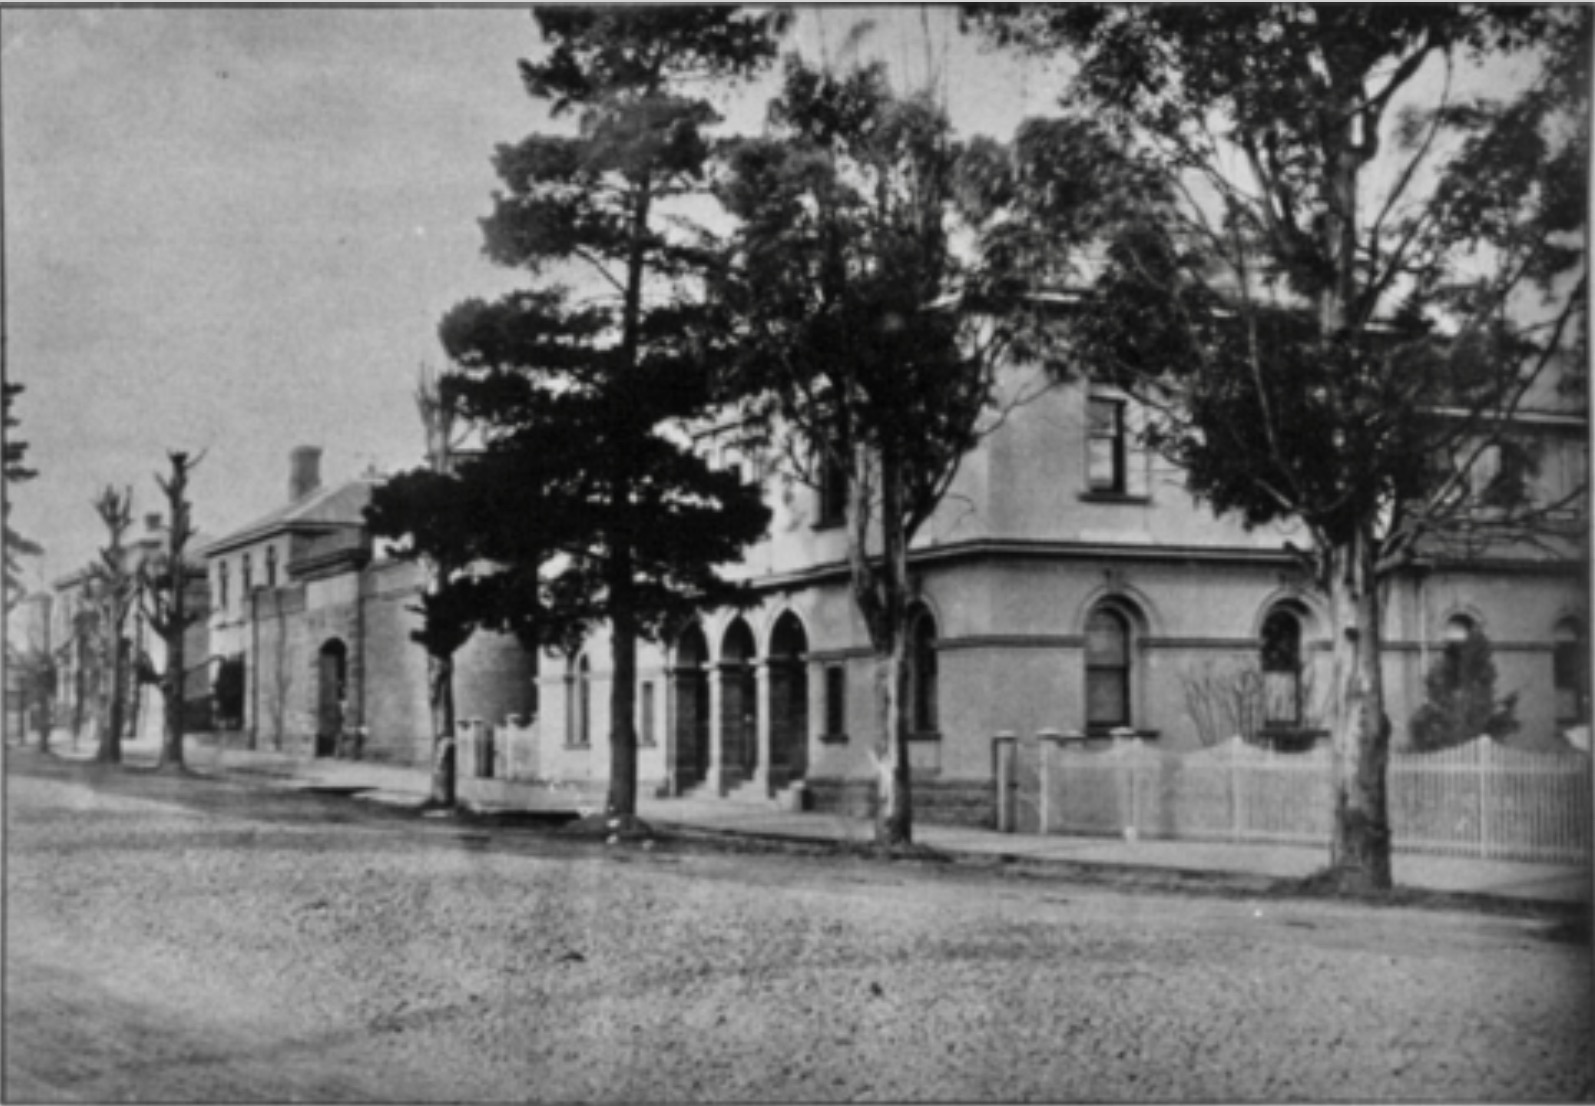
[311,635]
[28,657]
[79,664]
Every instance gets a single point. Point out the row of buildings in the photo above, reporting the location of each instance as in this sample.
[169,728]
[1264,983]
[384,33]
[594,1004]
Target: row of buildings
[1069,582]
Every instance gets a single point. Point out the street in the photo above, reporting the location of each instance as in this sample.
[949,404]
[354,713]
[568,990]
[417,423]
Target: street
[218,940]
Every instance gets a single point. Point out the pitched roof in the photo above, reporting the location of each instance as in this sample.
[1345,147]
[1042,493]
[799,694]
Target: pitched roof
[329,508]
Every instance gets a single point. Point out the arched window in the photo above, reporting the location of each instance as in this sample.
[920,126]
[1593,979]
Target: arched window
[922,714]
[578,702]
[1107,669]
[1568,670]
[1281,663]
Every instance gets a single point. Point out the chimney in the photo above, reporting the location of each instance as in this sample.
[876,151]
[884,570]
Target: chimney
[304,471]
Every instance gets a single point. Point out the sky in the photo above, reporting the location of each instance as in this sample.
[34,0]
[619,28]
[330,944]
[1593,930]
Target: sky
[234,231]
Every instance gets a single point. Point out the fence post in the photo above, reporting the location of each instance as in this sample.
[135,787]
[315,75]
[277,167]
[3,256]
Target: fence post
[1002,755]
[1048,743]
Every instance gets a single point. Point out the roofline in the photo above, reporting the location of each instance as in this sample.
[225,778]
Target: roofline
[281,526]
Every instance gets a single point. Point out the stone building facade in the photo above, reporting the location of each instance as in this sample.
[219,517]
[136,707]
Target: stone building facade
[317,633]
[1069,583]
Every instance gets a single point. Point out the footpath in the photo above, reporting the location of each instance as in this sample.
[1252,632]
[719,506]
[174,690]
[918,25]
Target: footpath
[408,786]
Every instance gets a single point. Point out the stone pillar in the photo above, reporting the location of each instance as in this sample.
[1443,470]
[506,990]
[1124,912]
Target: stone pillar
[715,776]
[761,770]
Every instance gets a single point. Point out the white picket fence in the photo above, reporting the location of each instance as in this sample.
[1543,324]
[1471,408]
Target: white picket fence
[1479,799]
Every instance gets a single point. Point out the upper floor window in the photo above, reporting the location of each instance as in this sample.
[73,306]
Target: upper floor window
[249,576]
[1500,475]
[1105,445]
[831,486]
[221,585]
[271,566]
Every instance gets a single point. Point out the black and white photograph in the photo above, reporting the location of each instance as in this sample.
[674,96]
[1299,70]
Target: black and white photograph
[713,553]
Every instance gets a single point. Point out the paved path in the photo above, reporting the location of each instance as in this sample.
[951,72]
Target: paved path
[400,784]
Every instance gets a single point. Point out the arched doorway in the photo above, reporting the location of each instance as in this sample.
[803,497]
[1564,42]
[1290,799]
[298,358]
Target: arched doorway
[332,678]
[691,696]
[739,702]
[789,701]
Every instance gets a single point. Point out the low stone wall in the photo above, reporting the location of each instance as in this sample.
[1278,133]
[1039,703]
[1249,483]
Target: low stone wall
[936,802]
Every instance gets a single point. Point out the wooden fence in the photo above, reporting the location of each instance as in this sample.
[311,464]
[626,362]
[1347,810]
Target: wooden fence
[1479,799]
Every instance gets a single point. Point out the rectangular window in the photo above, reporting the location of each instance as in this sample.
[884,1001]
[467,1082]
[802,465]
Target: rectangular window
[832,489]
[249,574]
[1105,445]
[646,730]
[835,700]
[271,566]
[221,585]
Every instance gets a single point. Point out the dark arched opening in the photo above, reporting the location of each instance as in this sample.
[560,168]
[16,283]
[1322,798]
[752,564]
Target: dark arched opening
[739,701]
[332,688]
[789,701]
[691,698]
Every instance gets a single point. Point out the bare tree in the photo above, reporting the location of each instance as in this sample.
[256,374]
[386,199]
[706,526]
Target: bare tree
[114,589]
[162,583]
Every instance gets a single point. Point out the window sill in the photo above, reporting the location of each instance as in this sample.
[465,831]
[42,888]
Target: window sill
[833,739]
[1100,496]
[925,736]
[1106,733]
[569,745]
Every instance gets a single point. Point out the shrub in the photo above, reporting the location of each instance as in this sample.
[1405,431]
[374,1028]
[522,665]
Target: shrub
[1461,698]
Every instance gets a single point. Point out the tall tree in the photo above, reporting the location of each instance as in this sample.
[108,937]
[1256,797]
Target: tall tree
[880,277]
[15,472]
[597,507]
[163,583]
[113,586]
[434,523]
[1340,289]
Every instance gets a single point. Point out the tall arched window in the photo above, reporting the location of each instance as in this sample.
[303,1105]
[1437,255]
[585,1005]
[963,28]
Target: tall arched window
[922,677]
[1107,669]
[1281,663]
[1569,668]
[578,702]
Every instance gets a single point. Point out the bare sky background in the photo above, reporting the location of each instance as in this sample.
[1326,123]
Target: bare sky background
[235,230]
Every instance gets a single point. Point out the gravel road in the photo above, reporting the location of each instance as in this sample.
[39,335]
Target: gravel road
[191,940]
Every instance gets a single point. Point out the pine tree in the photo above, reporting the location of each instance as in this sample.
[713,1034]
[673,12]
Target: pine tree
[1461,702]
[594,506]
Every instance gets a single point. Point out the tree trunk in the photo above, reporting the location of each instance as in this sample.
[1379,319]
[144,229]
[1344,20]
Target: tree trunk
[1360,848]
[110,751]
[445,746]
[894,809]
[883,593]
[172,684]
[622,696]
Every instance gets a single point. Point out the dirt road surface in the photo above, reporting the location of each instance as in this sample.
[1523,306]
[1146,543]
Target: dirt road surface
[203,940]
